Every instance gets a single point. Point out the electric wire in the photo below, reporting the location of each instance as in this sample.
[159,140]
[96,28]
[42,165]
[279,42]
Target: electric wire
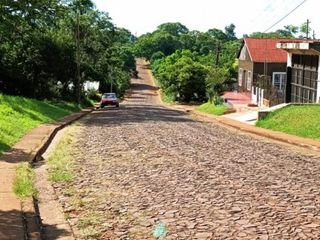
[300,4]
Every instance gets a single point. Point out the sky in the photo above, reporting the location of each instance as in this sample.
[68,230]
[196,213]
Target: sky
[142,16]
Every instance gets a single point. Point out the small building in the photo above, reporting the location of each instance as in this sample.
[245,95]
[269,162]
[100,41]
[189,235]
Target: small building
[88,85]
[261,57]
[303,75]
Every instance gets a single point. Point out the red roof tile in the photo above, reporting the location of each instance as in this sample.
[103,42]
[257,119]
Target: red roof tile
[262,50]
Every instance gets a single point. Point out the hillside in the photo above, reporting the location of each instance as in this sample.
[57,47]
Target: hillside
[18,115]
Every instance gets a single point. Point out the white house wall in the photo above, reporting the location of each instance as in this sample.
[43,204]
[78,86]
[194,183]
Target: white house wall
[289,59]
[91,85]
[244,54]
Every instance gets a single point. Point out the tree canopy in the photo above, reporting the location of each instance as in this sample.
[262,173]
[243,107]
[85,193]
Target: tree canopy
[44,43]
[183,60]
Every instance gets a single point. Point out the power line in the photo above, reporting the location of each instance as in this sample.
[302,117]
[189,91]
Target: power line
[285,16]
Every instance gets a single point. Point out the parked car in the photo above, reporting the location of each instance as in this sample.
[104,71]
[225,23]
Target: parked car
[109,99]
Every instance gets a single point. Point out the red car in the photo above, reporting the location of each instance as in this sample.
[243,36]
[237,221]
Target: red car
[109,99]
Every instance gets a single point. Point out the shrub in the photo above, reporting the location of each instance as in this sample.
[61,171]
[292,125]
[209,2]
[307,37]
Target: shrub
[93,95]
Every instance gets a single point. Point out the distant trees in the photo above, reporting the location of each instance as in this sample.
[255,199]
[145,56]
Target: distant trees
[44,43]
[183,61]
[181,75]
[305,29]
[288,31]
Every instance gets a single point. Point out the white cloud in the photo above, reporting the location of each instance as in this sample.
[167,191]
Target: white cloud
[141,16]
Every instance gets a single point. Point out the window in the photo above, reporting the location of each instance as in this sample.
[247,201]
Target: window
[240,76]
[279,80]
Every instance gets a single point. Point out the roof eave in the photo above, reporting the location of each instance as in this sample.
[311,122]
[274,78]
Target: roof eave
[303,48]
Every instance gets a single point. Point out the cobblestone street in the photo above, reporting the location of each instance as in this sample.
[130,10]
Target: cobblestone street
[144,164]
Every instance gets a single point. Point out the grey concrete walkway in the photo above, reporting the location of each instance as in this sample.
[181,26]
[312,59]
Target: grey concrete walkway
[249,117]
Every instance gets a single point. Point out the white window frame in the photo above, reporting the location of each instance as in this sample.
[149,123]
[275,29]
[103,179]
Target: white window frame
[240,76]
[282,79]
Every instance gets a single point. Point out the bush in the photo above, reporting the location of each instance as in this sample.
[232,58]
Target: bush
[181,76]
[156,56]
[212,109]
[217,100]
[93,95]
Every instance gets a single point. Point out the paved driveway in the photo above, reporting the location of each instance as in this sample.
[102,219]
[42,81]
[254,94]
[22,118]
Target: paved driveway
[144,168]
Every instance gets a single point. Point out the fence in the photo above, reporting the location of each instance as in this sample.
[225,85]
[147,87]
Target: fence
[257,96]
[273,94]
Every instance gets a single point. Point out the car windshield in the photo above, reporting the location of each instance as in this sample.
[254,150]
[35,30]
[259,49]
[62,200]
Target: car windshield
[109,95]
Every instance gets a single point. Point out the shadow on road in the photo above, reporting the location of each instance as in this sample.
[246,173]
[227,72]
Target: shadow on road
[142,86]
[129,114]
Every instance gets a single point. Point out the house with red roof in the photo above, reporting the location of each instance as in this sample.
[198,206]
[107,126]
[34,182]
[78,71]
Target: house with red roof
[261,57]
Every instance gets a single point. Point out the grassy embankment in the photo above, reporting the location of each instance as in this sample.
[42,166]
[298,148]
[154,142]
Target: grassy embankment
[212,109]
[299,120]
[18,115]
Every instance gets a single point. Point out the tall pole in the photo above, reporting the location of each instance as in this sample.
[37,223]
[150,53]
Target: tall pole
[265,58]
[307,28]
[78,89]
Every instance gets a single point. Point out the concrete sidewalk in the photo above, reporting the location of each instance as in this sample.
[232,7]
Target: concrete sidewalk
[249,117]
[19,219]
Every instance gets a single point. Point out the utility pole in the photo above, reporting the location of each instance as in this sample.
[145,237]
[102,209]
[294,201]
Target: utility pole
[265,58]
[218,50]
[308,22]
[314,35]
[78,80]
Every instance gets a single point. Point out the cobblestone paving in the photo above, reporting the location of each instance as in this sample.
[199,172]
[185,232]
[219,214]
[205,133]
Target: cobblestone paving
[143,164]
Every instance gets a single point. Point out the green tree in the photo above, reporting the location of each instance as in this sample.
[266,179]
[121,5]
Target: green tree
[181,59]
[39,48]
[215,81]
[175,29]
[229,31]
[305,29]
[218,34]
[186,84]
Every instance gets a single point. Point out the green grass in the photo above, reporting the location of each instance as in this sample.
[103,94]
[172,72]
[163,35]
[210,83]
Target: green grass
[300,120]
[23,185]
[166,98]
[212,109]
[60,161]
[18,115]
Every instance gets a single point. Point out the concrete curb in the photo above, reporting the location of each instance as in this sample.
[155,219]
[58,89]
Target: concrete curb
[279,136]
[31,210]
[30,149]
[274,135]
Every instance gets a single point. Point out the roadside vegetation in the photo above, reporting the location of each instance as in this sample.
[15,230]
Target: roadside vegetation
[23,185]
[210,108]
[298,120]
[49,49]
[194,66]
[190,66]
[19,114]
[60,161]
